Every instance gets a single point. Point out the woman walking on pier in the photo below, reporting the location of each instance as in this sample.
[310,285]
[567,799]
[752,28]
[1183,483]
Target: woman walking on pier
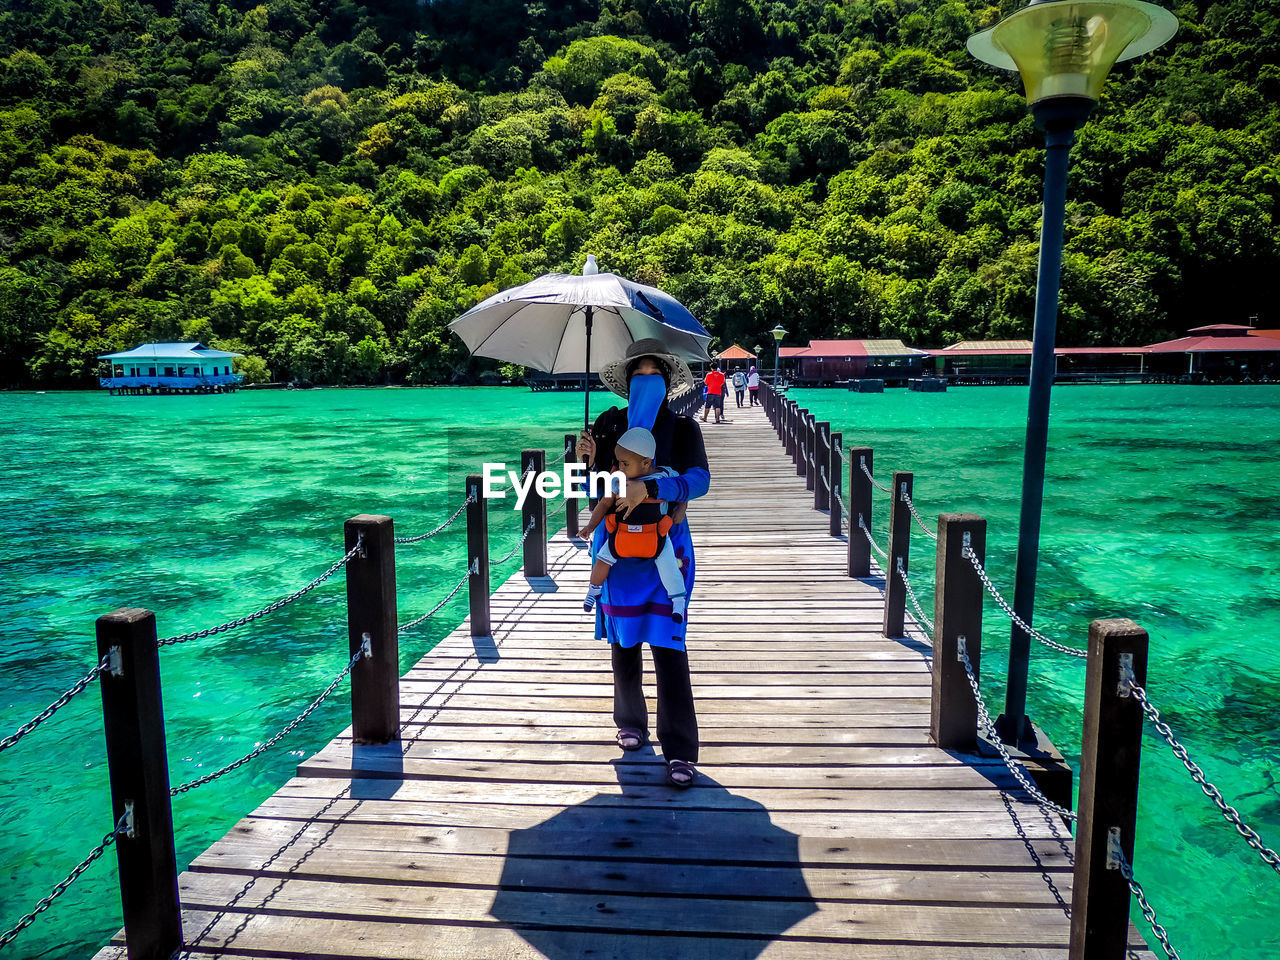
[635,608]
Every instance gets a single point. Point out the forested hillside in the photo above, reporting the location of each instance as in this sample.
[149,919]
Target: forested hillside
[323,186]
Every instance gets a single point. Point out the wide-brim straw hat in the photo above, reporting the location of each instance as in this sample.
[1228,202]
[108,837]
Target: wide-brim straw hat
[678,375]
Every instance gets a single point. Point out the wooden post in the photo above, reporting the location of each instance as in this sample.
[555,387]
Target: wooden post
[957,612]
[802,442]
[835,471]
[790,429]
[572,505]
[478,552]
[895,591]
[860,499]
[806,448]
[812,460]
[535,509]
[821,464]
[1109,756]
[807,426]
[371,613]
[133,719]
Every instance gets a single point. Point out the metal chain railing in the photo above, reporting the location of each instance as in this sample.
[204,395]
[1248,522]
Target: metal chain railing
[826,482]
[1140,895]
[867,533]
[984,720]
[123,825]
[273,607]
[288,729]
[76,688]
[1009,612]
[443,527]
[568,449]
[519,543]
[906,497]
[906,582]
[471,572]
[844,509]
[1229,813]
[862,462]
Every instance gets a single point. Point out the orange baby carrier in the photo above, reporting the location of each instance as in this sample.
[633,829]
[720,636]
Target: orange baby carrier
[641,535]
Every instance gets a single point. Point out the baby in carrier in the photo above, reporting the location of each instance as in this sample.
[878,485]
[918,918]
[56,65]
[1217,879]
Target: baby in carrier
[643,533]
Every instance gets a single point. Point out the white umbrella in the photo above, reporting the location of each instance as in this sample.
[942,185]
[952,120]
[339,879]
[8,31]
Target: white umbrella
[549,323]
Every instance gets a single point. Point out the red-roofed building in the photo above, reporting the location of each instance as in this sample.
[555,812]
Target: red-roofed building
[1214,352]
[983,361]
[827,361]
[1218,352]
[1223,329]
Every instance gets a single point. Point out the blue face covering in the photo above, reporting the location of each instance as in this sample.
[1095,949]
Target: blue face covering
[644,399]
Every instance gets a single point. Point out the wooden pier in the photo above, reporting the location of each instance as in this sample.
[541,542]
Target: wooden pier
[507,824]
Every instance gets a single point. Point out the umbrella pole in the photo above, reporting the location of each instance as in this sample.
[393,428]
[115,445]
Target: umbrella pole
[586,378]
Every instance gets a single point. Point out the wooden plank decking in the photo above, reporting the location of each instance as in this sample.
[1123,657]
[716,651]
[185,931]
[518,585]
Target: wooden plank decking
[507,824]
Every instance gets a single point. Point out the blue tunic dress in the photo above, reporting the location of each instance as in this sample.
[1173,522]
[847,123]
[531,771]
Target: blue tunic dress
[634,607]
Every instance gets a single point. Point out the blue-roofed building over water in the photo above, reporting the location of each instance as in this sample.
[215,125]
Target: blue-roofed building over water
[170,368]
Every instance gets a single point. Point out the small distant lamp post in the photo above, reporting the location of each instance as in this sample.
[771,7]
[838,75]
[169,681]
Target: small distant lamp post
[1064,50]
[778,334]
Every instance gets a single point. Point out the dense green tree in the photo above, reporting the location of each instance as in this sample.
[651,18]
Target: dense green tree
[323,187]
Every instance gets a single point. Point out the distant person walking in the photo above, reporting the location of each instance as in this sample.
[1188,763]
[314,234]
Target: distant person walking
[739,385]
[753,385]
[715,395]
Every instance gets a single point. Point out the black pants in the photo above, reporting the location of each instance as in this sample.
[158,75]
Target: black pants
[677,723]
[740,395]
[754,398]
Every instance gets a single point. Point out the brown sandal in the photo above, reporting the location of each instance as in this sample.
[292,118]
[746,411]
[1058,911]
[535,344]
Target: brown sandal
[680,773]
[629,739]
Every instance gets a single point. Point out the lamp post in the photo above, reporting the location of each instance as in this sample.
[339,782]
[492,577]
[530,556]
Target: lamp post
[778,334]
[1064,50]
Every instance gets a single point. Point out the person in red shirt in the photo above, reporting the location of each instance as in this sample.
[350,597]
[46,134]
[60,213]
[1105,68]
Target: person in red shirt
[715,394]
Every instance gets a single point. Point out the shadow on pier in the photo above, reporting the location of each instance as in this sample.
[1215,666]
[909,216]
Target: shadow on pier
[709,863]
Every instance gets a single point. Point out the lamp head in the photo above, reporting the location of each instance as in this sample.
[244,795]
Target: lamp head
[778,332]
[1064,49]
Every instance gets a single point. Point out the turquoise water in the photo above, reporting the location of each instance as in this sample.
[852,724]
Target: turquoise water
[1163,504]
[204,509]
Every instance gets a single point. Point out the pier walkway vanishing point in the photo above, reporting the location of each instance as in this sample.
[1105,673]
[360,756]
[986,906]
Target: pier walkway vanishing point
[507,824]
